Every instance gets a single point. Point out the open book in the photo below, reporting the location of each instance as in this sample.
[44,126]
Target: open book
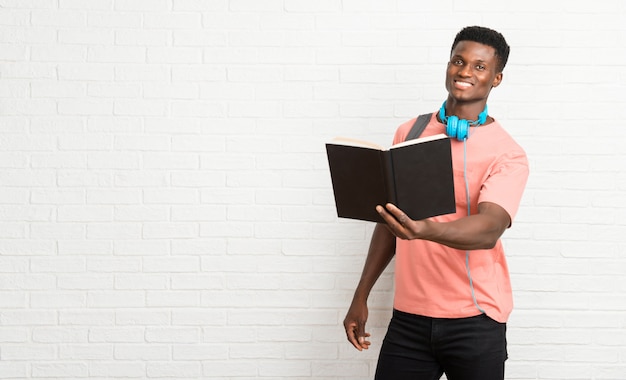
[415,175]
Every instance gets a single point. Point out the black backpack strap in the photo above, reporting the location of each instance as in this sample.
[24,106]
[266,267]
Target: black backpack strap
[418,127]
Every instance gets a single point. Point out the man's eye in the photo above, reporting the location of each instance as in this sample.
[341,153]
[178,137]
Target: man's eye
[480,67]
[458,62]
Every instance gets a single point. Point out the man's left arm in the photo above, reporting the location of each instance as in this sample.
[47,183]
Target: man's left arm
[479,231]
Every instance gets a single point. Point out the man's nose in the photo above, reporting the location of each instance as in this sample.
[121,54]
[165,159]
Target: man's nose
[465,71]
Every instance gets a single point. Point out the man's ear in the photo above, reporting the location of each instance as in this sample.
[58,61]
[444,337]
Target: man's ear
[497,80]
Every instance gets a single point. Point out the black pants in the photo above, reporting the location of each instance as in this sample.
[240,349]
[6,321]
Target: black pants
[423,348]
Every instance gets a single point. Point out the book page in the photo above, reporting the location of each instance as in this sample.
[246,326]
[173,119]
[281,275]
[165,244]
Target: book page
[355,142]
[420,140]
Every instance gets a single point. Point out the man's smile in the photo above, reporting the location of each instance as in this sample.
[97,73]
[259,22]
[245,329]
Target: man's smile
[462,84]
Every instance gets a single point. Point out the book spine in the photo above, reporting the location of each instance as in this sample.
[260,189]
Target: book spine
[390,183]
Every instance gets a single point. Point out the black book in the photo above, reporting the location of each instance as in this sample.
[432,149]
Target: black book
[415,175]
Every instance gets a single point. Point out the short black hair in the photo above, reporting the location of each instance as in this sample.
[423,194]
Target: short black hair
[487,37]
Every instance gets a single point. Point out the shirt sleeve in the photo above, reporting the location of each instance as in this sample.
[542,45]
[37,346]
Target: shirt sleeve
[506,182]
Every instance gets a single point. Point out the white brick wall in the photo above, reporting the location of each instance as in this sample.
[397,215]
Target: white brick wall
[165,204]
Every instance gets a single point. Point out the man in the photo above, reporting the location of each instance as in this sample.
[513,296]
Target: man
[453,294]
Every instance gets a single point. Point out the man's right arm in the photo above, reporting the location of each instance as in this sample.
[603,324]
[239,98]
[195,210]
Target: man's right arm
[381,251]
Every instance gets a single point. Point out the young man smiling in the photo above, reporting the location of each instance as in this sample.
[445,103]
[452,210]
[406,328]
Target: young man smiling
[453,294]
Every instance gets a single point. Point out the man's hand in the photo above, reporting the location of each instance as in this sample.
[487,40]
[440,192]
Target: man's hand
[354,323]
[399,223]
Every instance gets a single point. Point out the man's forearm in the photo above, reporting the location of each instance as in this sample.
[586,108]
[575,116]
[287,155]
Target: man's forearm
[479,231]
[381,251]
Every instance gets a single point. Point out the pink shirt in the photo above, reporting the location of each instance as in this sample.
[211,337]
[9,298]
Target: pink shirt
[432,279]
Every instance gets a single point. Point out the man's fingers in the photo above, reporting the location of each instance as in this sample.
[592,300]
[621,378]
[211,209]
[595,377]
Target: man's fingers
[351,333]
[363,341]
[396,220]
[357,336]
[398,214]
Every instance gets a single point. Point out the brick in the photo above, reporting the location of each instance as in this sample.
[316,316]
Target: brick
[174,369]
[12,299]
[198,144]
[64,18]
[86,36]
[143,317]
[140,248]
[142,352]
[114,19]
[13,230]
[52,231]
[141,5]
[231,367]
[34,352]
[110,265]
[140,282]
[171,91]
[117,54]
[67,370]
[199,5]
[201,247]
[58,265]
[141,73]
[170,196]
[113,197]
[288,368]
[197,282]
[27,247]
[13,335]
[99,160]
[57,300]
[86,72]
[85,213]
[112,299]
[154,160]
[28,70]
[199,317]
[117,335]
[170,230]
[186,335]
[59,334]
[85,282]
[139,107]
[198,108]
[198,213]
[86,318]
[49,89]
[143,38]
[117,369]
[250,5]
[173,20]
[170,265]
[58,53]
[199,352]
[192,38]
[143,178]
[174,55]
[31,318]
[86,352]
[60,161]
[198,72]
[113,231]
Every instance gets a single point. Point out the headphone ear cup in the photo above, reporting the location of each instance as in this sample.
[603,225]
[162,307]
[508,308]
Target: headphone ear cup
[457,128]
[462,129]
[451,126]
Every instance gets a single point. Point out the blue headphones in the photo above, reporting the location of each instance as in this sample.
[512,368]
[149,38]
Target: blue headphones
[459,128]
